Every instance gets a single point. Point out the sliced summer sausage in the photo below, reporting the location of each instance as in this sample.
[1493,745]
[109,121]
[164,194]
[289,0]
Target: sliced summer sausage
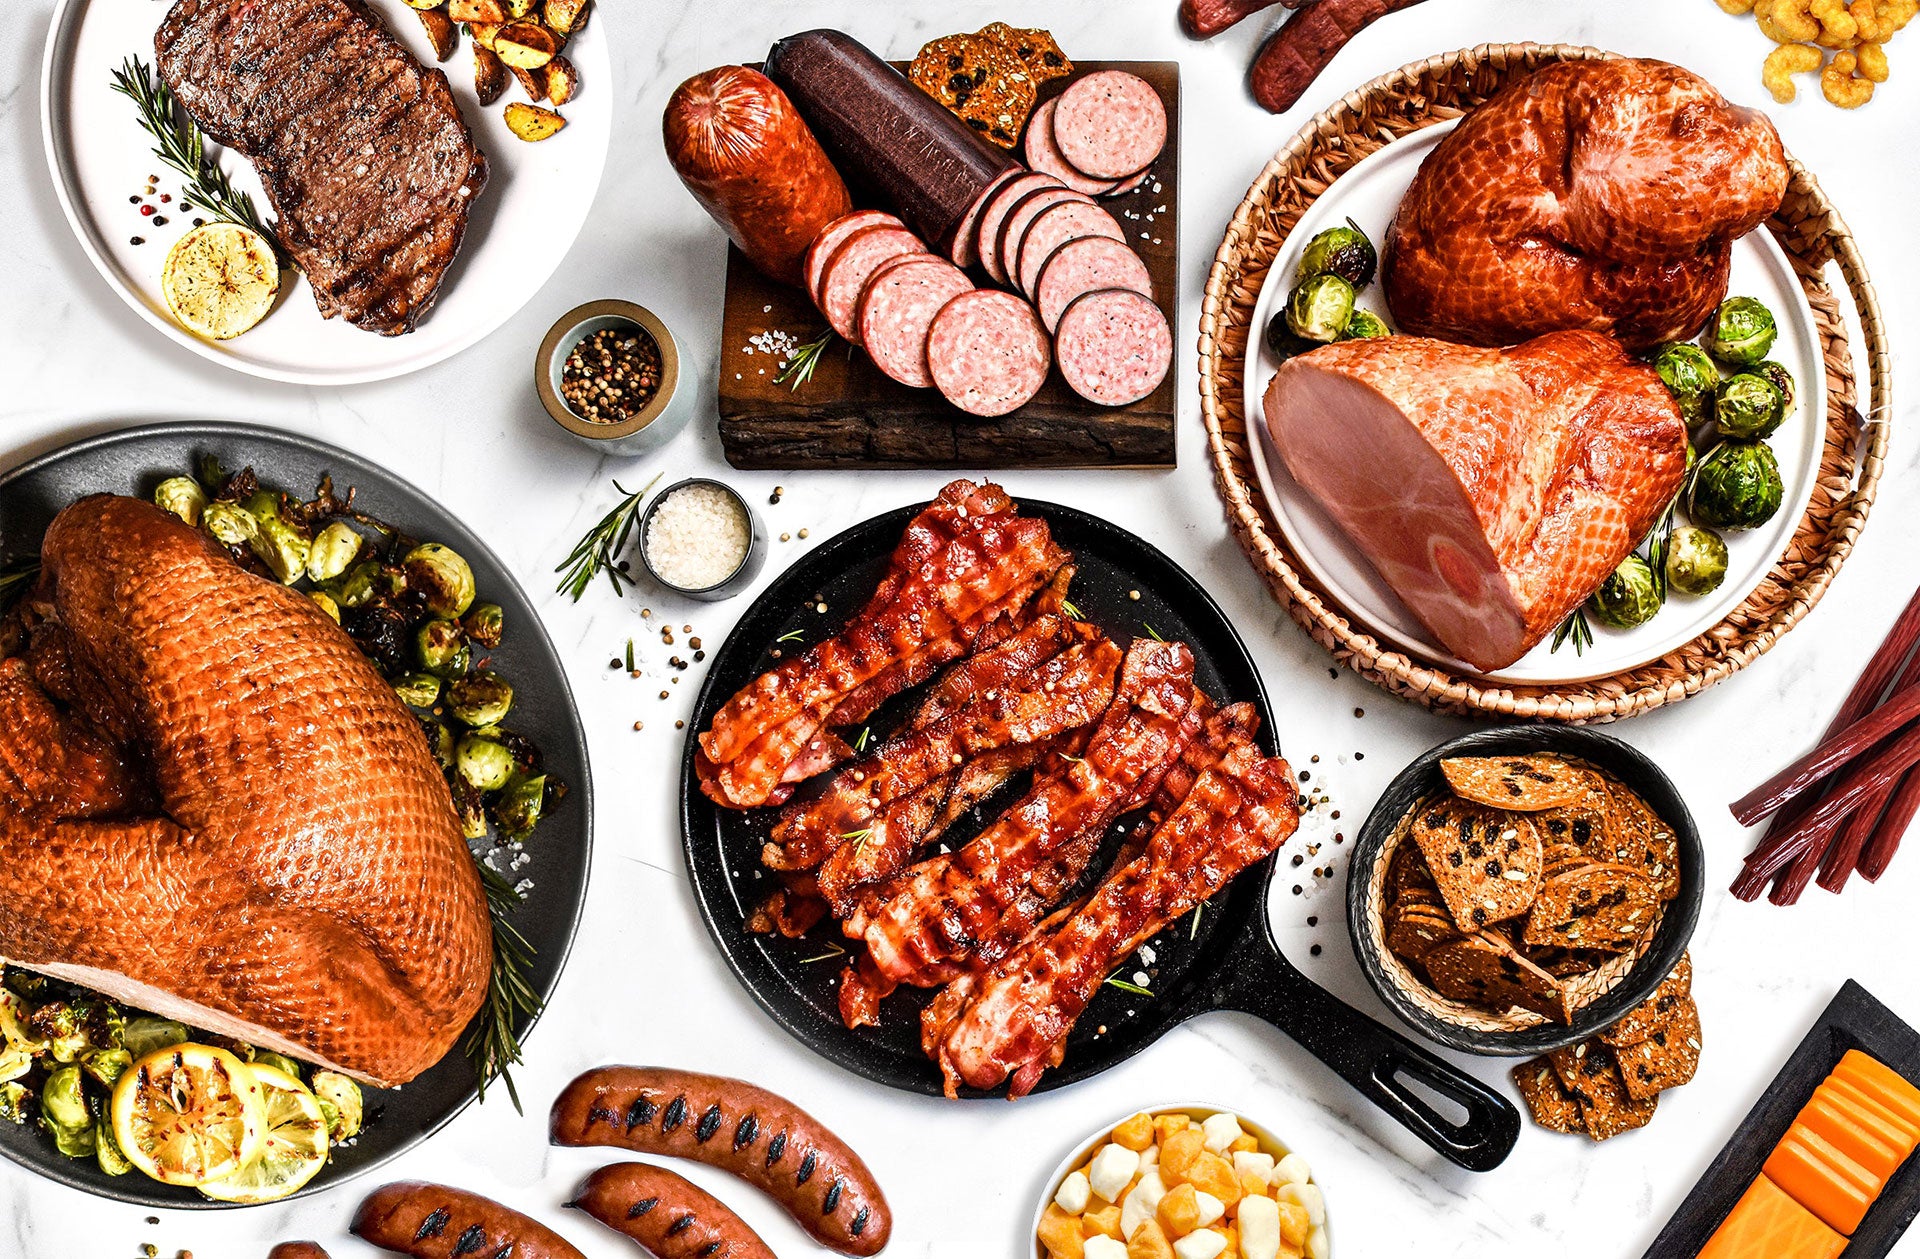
[1114,347]
[987,352]
[1043,154]
[965,249]
[833,236]
[1054,227]
[411,1217]
[1110,124]
[1014,230]
[994,217]
[669,1215]
[898,309]
[852,265]
[1083,266]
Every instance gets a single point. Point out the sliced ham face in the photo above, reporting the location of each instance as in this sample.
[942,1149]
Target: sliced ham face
[1492,490]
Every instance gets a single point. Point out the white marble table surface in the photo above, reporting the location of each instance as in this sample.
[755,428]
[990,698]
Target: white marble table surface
[646,985]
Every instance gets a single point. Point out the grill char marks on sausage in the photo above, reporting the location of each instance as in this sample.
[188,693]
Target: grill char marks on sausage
[439,1222]
[669,1216]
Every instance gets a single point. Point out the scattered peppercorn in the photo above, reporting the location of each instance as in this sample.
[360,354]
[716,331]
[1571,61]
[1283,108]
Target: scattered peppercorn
[639,725]
[198,222]
[786,537]
[1315,950]
[663,695]
[699,655]
[136,240]
[135,199]
[679,725]
[1313,921]
[146,211]
[1359,712]
[1297,859]
[610,375]
[160,220]
[614,663]
[803,533]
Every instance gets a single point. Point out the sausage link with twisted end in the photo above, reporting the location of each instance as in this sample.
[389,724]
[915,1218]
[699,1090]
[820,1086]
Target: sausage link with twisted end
[1203,19]
[669,1215]
[427,1221]
[297,1250]
[737,1127]
[1296,53]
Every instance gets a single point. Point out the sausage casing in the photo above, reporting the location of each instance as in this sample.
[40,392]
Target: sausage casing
[737,1127]
[1296,53]
[428,1221]
[669,1215]
[297,1250]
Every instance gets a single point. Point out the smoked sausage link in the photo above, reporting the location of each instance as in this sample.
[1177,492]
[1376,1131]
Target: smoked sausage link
[297,1250]
[669,1215]
[747,156]
[737,1127]
[411,1217]
[1296,53]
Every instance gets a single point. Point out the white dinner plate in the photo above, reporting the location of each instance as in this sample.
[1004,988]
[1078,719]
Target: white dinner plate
[535,202]
[1370,194]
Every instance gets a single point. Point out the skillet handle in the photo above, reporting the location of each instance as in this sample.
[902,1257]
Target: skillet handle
[1258,980]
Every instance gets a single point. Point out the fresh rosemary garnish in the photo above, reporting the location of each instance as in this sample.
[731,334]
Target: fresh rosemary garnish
[1576,630]
[1125,986]
[601,548]
[791,636]
[801,364]
[1194,932]
[833,950]
[860,744]
[630,668]
[1066,605]
[15,580]
[493,1043]
[1153,633]
[178,143]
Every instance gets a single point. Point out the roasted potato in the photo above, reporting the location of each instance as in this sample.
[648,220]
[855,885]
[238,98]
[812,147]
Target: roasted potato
[425,5]
[489,74]
[476,11]
[532,123]
[562,82]
[442,33]
[526,45]
[517,9]
[483,32]
[532,82]
[566,17]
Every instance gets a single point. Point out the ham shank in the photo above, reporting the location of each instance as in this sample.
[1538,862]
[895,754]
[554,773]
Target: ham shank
[213,807]
[1592,194]
[1493,490]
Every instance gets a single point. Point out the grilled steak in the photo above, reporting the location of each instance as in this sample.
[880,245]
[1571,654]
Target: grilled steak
[370,167]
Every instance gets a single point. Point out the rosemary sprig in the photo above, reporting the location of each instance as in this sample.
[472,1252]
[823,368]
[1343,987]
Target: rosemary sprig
[801,365]
[630,668]
[493,1044]
[833,950]
[600,549]
[1125,986]
[1066,605]
[791,636]
[1193,933]
[1577,630]
[1153,633]
[179,144]
[860,744]
[15,580]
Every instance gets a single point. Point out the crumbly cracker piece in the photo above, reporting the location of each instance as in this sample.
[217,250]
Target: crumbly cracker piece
[1484,970]
[1036,49]
[1638,1023]
[1524,783]
[1591,1074]
[1486,862]
[1667,1058]
[1595,906]
[981,81]
[1547,1099]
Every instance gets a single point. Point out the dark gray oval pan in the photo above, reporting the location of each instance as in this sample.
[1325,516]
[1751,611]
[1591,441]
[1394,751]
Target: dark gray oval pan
[1227,960]
[133,461]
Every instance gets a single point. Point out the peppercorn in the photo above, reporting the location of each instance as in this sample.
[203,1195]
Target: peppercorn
[611,375]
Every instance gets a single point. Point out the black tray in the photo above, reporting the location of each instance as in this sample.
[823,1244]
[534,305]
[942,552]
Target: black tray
[1853,1020]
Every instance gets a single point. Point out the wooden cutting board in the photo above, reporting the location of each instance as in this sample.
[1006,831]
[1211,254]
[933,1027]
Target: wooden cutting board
[849,415]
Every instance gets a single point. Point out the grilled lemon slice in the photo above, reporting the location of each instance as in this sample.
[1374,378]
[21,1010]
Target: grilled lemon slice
[220,280]
[189,1114]
[295,1148]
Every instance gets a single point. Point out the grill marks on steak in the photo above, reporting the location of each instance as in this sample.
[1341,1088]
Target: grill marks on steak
[370,168]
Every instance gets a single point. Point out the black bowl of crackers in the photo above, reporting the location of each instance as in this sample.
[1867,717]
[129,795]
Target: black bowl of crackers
[1524,890]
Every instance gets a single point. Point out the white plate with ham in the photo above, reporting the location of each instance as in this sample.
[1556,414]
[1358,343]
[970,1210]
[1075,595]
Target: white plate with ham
[1370,194]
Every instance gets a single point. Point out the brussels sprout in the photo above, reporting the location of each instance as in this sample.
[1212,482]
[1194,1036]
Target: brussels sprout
[1736,485]
[1696,560]
[341,1102]
[472,812]
[280,546]
[1364,326]
[440,740]
[107,1065]
[480,700]
[441,649]
[324,601]
[483,763]
[381,631]
[1782,380]
[1629,596]
[16,1103]
[63,1101]
[14,1063]
[16,1024]
[63,1025]
[486,624]
[1691,378]
[1342,251]
[148,1035]
[358,586]
[268,1058]
[230,523]
[519,807]
[182,496]
[1749,405]
[1283,341]
[334,549]
[1742,331]
[443,579]
[1320,307]
[418,690]
[113,1160]
[77,1142]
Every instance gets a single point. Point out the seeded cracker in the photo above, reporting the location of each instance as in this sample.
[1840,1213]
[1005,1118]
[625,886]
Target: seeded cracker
[1639,1022]
[1547,1099]
[981,81]
[1591,1075]
[1595,906]
[1484,970]
[1524,783]
[1035,48]
[1487,863]
[1668,1057]
[1416,930]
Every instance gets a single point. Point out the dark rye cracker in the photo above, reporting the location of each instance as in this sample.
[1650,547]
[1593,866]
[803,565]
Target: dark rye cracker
[1667,1058]
[1486,863]
[1638,1023]
[1524,783]
[981,80]
[1591,1074]
[1486,971]
[1547,1099]
[1595,906]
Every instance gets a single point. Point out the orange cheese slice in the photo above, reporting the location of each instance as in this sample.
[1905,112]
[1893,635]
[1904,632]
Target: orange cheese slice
[1883,1083]
[1873,1145]
[1822,1180]
[1766,1222]
[1838,1088]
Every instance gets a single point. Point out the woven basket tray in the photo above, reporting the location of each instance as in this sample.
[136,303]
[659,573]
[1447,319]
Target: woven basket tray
[1808,228]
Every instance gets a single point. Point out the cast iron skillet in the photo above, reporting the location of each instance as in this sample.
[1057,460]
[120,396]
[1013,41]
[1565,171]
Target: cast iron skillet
[133,461]
[1226,960]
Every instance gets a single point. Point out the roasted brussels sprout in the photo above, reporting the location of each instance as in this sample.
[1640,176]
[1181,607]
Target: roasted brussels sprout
[1320,307]
[278,544]
[16,1102]
[63,1099]
[471,809]
[324,601]
[112,1159]
[341,1102]
[440,740]
[443,579]
[484,764]
[1782,380]
[1749,405]
[106,1065]
[482,699]
[1364,325]
[1741,332]
[268,1058]
[182,496]
[77,1142]
[1342,251]
[418,690]
[1629,596]
[14,1063]
[1736,485]
[146,1035]
[16,1024]
[63,1026]
[1283,341]
[334,549]
[230,523]
[518,809]
[1696,560]
[441,649]
[1691,377]
[486,624]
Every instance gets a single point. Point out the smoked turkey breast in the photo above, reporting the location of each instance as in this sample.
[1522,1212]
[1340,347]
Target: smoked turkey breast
[1493,490]
[214,808]
[1603,195]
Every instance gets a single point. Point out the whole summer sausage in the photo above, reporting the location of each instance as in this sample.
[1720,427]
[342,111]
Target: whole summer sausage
[1045,155]
[412,1217]
[1296,53]
[297,1250]
[987,231]
[897,310]
[669,1215]
[833,236]
[852,265]
[987,352]
[746,156]
[1110,124]
[737,1127]
[1114,347]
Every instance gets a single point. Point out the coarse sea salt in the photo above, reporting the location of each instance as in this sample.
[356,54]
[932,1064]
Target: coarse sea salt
[697,537]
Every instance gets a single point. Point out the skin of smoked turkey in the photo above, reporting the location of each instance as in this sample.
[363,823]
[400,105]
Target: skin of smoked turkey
[1603,195]
[214,808]
[1493,490]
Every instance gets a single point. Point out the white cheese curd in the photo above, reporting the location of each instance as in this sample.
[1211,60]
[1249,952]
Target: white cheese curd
[697,537]
[1254,1163]
[1141,1203]
[1074,1194]
[1112,1171]
[1308,1196]
[1259,1228]
[1202,1243]
[1220,1131]
[1210,1208]
[1292,1170]
[1149,1158]
[1317,1244]
[1104,1248]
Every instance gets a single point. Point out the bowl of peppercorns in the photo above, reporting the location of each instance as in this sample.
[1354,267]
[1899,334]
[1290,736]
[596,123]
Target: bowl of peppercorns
[609,373]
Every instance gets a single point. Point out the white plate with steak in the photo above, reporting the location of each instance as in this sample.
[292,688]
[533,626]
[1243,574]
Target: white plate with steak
[418,249]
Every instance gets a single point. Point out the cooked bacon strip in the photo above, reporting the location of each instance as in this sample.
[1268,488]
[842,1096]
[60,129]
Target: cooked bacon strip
[964,561]
[973,906]
[1016,1019]
[1004,664]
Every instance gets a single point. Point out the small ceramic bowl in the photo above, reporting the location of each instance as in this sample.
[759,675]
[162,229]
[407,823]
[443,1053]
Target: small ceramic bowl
[1270,1143]
[1627,980]
[733,583]
[655,424]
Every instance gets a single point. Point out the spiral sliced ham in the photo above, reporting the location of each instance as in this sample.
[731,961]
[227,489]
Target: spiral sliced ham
[1493,490]
[214,808]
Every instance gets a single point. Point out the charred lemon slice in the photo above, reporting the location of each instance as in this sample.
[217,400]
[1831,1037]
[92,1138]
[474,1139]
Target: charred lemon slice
[189,1114]
[295,1148]
[220,280]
